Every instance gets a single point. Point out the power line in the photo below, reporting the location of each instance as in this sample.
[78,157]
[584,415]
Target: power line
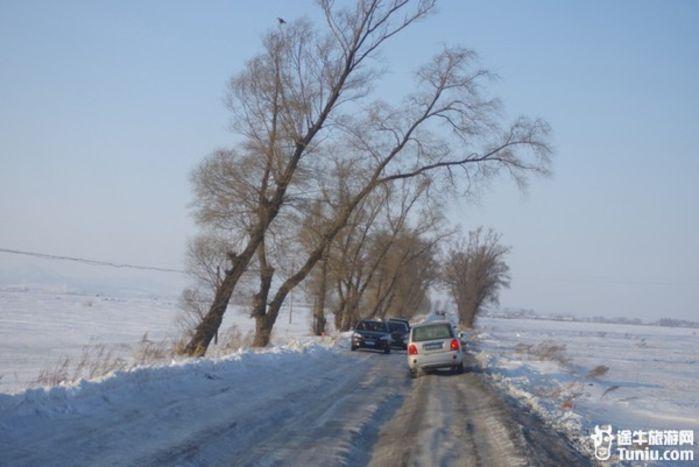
[529,277]
[92,262]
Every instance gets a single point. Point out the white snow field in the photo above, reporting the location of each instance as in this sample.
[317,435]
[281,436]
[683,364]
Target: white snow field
[39,327]
[51,309]
[652,382]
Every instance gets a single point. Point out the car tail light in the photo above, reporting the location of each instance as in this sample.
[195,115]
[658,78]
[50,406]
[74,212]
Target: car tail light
[454,344]
[412,349]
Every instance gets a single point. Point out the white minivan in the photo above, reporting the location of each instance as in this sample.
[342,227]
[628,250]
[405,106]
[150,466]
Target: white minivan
[434,345]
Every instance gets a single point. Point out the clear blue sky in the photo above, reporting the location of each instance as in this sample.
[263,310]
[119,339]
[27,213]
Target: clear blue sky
[106,106]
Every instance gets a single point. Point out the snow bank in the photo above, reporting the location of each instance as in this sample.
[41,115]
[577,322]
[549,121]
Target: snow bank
[39,326]
[651,381]
[112,420]
[85,396]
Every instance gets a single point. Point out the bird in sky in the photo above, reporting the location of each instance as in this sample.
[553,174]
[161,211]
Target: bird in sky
[281,21]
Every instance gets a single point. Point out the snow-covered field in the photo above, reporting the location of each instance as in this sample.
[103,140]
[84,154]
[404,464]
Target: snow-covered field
[52,309]
[652,381]
[39,327]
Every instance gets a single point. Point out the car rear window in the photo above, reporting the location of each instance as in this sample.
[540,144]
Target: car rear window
[374,326]
[431,332]
[397,326]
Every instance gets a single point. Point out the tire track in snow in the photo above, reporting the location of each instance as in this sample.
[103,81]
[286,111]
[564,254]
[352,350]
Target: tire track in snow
[460,420]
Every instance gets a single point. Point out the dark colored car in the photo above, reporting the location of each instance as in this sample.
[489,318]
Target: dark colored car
[401,320]
[400,333]
[370,334]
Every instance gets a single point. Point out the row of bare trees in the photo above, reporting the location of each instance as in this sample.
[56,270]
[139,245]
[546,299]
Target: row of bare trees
[335,189]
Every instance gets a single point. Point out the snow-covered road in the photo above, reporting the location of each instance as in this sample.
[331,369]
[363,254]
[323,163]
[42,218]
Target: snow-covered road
[261,408]
[461,420]
[317,406]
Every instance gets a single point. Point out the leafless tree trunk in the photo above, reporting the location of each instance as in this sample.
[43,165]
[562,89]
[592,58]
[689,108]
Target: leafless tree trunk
[205,262]
[263,328]
[320,297]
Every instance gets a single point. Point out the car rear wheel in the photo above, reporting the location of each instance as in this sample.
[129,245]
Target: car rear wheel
[387,349]
[353,347]
[459,368]
[413,373]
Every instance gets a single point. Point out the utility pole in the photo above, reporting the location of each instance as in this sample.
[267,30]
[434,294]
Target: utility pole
[291,304]
[291,295]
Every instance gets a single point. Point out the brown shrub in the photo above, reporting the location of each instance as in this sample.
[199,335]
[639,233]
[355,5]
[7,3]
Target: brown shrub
[550,351]
[148,351]
[598,371]
[95,361]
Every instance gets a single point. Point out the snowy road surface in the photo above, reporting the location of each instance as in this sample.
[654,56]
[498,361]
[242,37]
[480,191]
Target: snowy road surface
[327,408]
[459,420]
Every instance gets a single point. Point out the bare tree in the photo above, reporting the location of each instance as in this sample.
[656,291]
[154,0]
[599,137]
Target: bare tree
[350,264]
[317,282]
[401,287]
[320,298]
[378,232]
[206,259]
[475,272]
[283,102]
[205,262]
[192,305]
[397,144]
[286,101]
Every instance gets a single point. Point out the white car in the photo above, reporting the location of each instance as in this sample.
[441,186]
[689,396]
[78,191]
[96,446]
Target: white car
[434,345]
